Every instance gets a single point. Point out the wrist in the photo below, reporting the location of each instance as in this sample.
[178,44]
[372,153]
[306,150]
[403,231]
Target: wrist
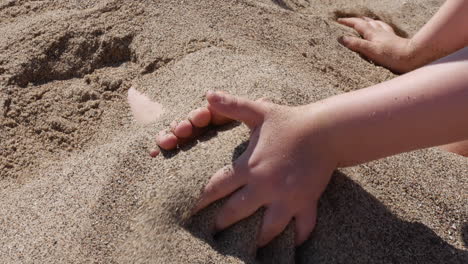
[410,57]
[335,129]
[320,130]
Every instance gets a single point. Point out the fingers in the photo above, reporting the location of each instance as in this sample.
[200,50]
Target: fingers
[379,24]
[359,24]
[305,222]
[275,220]
[385,26]
[242,204]
[359,45]
[365,25]
[247,111]
[373,23]
[224,182]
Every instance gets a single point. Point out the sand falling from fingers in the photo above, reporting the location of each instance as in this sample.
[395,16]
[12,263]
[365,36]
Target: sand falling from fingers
[144,110]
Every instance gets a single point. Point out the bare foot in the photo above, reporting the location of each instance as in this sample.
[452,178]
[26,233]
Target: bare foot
[184,131]
[460,148]
[379,43]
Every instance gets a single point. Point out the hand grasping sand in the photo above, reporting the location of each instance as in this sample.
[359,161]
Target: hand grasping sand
[444,34]
[293,150]
[275,171]
[379,43]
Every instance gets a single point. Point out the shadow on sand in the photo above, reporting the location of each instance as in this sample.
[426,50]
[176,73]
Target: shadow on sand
[353,227]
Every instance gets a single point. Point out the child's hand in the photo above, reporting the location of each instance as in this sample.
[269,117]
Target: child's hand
[285,168]
[379,43]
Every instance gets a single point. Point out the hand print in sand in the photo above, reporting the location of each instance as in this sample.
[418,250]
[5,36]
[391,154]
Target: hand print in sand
[143,109]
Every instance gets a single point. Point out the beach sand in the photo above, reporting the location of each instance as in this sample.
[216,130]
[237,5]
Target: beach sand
[77,184]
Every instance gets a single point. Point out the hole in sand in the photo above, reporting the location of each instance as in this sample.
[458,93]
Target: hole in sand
[143,109]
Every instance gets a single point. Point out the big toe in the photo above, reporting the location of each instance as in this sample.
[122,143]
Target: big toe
[166,140]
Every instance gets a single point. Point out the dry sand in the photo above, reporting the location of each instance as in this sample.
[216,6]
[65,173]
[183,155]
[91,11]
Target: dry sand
[77,185]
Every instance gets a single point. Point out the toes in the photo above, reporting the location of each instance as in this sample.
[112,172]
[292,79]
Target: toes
[184,129]
[217,119]
[200,117]
[154,152]
[166,140]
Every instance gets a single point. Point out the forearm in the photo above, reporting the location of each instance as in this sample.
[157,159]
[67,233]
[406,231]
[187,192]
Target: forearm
[444,34]
[424,108]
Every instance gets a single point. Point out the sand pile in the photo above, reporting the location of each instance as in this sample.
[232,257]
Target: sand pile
[77,185]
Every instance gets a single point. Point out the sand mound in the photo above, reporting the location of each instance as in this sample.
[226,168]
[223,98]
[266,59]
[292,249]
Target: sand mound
[77,183]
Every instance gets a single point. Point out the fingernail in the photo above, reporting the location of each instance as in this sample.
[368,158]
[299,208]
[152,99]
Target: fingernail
[342,40]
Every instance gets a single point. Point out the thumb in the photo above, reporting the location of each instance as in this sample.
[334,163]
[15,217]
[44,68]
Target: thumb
[237,108]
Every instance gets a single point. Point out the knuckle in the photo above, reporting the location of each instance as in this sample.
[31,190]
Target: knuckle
[227,171]
[253,163]
[232,101]
[212,190]
[361,26]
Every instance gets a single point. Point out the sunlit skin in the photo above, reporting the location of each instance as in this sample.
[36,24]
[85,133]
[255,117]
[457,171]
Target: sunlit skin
[287,172]
[444,34]
[294,150]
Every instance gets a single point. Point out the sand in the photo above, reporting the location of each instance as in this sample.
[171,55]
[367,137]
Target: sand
[77,184]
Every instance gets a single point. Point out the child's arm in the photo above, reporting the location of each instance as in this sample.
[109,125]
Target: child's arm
[293,150]
[444,34]
[428,107]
